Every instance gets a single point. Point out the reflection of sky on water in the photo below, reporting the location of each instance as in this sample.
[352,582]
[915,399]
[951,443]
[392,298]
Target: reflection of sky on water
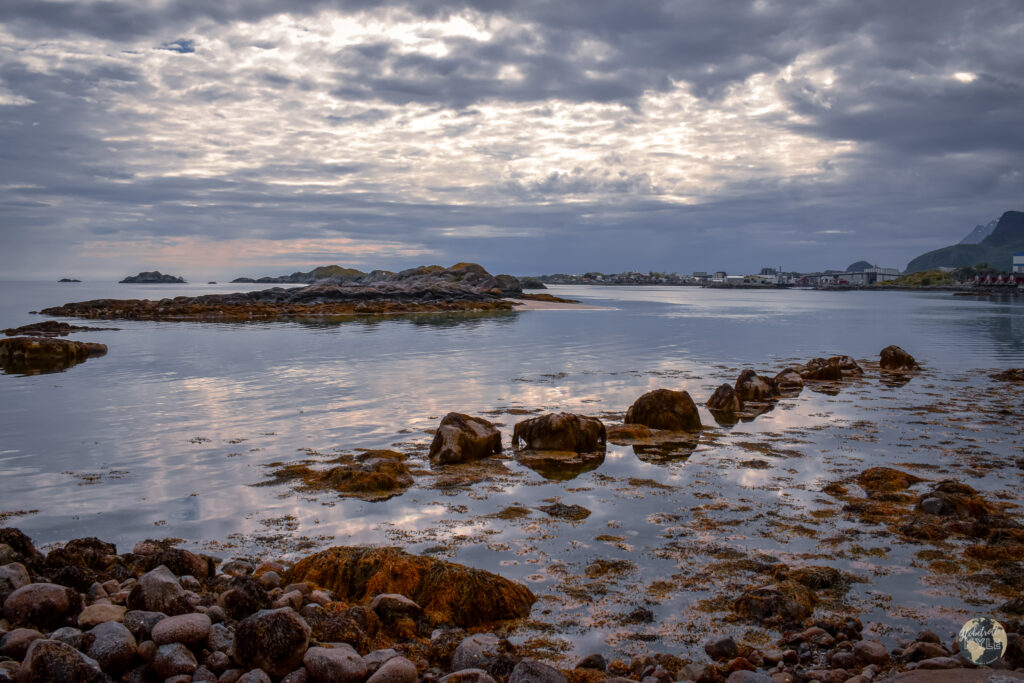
[165,435]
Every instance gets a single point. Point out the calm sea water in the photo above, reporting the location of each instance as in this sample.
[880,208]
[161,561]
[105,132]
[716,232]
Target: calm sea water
[167,434]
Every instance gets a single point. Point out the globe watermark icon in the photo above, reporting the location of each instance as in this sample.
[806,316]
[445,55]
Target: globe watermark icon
[982,641]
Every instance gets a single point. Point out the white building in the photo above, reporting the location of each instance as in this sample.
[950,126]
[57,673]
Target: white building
[1018,262]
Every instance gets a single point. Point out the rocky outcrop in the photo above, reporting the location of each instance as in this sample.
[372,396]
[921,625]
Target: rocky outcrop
[461,438]
[463,287]
[448,593]
[665,409]
[33,355]
[896,359]
[560,432]
[152,277]
[752,387]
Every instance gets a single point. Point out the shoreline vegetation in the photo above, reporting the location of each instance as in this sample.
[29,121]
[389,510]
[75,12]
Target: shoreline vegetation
[360,614]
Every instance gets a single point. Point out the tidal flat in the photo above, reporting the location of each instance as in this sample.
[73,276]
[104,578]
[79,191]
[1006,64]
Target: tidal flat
[178,432]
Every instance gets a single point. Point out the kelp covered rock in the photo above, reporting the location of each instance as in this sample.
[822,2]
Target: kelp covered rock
[665,409]
[460,438]
[560,432]
[449,593]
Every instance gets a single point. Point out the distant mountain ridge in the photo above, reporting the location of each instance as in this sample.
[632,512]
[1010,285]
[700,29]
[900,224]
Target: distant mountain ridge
[315,275]
[996,249]
[980,232]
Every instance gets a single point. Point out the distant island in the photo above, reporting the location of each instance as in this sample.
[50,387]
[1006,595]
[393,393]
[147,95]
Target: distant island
[152,276]
[315,275]
[996,247]
[68,279]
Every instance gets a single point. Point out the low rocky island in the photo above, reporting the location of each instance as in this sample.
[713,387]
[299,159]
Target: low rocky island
[35,355]
[51,328]
[68,279]
[152,277]
[335,274]
[462,287]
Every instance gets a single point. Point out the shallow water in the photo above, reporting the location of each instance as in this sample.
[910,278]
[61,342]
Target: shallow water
[167,434]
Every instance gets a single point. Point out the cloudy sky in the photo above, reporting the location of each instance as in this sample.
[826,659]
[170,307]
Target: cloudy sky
[253,137]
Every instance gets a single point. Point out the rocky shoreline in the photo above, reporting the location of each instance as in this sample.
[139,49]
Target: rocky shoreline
[83,612]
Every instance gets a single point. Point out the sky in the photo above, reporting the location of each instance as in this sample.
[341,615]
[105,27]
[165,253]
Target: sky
[258,137]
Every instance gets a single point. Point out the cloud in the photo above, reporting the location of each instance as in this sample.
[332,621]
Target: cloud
[533,137]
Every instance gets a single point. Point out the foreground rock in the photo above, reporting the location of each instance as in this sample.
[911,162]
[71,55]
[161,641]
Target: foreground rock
[560,432]
[38,355]
[461,438]
[463,287]
[272,640]
[895,358]
[152,277]
[448,593]
[665,409]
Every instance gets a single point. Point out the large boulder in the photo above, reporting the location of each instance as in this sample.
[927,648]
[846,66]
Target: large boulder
[44,605]
[725,400]
[461,438]
[273,640]
[560,432]
[665,409]
[752,387]
[895,358]
[449,593]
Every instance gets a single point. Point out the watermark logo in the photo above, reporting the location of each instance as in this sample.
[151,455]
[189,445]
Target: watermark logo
[982,641]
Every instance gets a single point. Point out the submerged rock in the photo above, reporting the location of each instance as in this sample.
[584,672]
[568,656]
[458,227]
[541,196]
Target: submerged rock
[50,328]
[449,593]
[665,409]
[371,475]
[786,602]
[876,480]
[573,513]
[560,432]
[830,369]
[34,355]
[461,437]
[1011,375]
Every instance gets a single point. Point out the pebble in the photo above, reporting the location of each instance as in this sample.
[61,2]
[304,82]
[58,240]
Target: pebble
[723,648]
[530,671]
[255,676]
[159,591]
[475,652]
[871,651]
[12,577]
[52,660]
[375,659]
[113,646]
[15,643]
[273,640]
[468,676]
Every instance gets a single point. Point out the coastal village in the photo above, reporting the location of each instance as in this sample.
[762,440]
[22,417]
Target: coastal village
[859,275]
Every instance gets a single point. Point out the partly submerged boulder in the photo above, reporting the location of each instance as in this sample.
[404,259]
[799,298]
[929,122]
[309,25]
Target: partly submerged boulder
[665,409]
[895,358]
[461,438]
[830,369]
[725,400]
[43,354]
[371,475]
[788,381]
[449,593]
[876,480]
[560,432]
[752,387]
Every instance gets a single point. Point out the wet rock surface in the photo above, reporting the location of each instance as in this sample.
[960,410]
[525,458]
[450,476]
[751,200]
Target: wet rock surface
[560,432]
[36,355]
[895,358]
[461,438]
[665,409]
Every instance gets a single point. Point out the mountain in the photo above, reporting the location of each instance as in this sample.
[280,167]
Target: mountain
[859,267]
[315,275]
[980,232]
[996,249]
